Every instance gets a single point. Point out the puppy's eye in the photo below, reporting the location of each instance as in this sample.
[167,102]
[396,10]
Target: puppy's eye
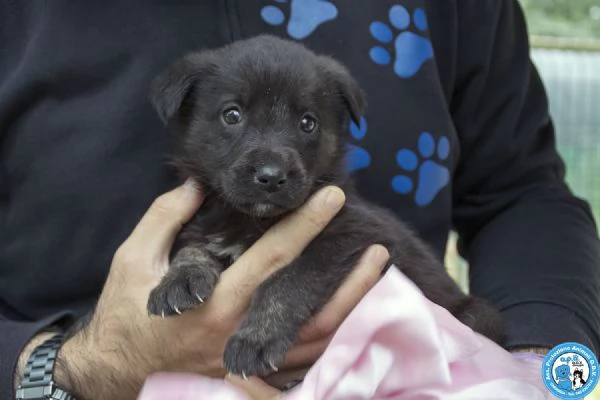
[308,124]
[232,116]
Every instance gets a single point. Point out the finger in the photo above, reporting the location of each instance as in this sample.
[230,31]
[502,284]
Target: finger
[164,219]
[304,355]
[364,276]
[254,387]
[282,379]
[276,248]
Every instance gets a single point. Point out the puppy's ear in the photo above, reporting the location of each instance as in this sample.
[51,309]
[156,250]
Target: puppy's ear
[347,87]
[170,90]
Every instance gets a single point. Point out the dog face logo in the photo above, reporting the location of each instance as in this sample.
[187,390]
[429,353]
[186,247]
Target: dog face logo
[260,122]
[570,371]
[563,376]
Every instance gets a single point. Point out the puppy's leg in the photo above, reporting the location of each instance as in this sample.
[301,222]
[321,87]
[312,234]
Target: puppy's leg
[483,318]
[420,266]
[191,278]
[472,311]
[279,308]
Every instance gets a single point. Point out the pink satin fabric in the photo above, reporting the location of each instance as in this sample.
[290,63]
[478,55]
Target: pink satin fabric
[396,345]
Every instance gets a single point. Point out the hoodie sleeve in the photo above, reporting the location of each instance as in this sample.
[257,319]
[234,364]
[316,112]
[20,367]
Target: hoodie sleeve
[532,246]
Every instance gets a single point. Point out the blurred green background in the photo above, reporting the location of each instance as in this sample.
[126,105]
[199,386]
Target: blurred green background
[565,48]
[565,41]
[563,18]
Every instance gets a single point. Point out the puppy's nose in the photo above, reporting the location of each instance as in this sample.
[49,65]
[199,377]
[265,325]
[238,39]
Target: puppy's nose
[270,178]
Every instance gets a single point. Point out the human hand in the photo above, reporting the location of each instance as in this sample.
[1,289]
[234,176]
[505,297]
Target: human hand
[255,388]
[122,344]
[318,332]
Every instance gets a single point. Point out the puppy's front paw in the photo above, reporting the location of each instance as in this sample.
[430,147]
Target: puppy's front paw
[253,351]
[181,289]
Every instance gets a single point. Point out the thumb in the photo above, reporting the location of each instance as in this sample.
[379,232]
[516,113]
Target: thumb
[157,229]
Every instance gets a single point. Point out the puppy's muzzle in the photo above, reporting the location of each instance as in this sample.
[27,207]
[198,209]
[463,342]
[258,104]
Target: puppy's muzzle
[273,170]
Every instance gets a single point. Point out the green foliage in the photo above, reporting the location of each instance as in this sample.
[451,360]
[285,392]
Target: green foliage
[565,18]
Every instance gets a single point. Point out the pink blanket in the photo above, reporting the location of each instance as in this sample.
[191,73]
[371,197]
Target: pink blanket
[397,345]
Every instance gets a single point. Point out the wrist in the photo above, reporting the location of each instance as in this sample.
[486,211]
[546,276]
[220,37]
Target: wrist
[84,367]
[64,372]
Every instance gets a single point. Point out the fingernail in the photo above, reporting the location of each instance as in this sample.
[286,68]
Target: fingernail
[190,184]
[192,190]
[333,197]
[378,255]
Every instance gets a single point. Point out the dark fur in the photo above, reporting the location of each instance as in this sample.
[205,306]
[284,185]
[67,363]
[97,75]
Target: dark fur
[275,82]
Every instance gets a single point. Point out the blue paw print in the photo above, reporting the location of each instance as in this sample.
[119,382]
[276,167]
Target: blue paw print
[305,16]
[357,157]
[411,50]
[432,177]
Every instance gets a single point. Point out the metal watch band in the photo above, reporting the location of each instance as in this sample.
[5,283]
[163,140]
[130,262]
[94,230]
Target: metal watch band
[38,380]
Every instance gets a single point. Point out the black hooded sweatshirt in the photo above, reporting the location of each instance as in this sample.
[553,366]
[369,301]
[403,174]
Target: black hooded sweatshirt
[456,136]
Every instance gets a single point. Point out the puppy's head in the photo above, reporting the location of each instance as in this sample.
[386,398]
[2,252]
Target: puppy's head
[260,121]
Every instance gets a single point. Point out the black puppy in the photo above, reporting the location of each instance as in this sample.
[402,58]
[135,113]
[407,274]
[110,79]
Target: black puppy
[259,126]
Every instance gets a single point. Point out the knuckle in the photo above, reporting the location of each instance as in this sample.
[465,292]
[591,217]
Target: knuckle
[162,204]
[125,256]
[218,318]
[236,289]
[323,325]
[366,281]
[315,219]
[271,254]
[168,208]
[365,285]
[241,288]
[223,317]
[278,256]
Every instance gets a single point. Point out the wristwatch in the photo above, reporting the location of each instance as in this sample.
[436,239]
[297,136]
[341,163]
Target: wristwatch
[38,381]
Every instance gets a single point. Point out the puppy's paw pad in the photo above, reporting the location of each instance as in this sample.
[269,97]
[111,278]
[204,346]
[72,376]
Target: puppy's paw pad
[248,353]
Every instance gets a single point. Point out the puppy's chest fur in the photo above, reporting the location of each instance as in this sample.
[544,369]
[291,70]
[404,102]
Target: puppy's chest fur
[221,232]
[225,234]
[222,249]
